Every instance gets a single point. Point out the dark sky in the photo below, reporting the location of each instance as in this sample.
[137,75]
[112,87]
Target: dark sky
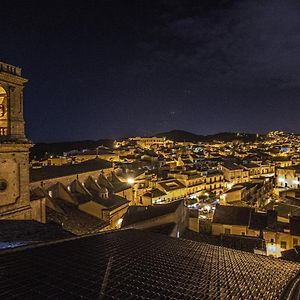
[105,69]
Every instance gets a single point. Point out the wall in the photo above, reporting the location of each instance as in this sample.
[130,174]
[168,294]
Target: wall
[218,229]
[180,217]
[38,208]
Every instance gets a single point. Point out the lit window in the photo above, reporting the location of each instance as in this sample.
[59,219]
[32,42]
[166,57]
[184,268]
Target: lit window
[283,244]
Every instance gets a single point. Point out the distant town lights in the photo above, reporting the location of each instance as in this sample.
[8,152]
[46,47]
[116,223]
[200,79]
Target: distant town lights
[281,179]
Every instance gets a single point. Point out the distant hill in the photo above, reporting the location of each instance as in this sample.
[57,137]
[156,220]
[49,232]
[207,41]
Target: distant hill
[40,149]
[181,135]
[231,136]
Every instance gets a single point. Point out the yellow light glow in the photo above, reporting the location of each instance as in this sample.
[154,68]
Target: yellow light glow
[273,250]
[207,207]
[119,222]
[230,185]
[130,180]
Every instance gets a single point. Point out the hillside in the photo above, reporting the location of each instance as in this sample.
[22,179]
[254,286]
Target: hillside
[181,135]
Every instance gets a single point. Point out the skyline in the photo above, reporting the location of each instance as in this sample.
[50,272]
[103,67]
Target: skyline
[114,69]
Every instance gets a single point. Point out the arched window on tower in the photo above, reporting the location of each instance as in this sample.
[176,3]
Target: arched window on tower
[3,112]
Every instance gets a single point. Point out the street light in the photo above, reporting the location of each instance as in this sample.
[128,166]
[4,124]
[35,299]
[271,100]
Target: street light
[130,180]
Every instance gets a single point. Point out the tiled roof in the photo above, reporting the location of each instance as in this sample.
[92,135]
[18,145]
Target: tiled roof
[232,166]
[73,219]
[112,202]
[162,229]
[132,264]
[66,170]
[136,214]
[118,187]
[171,184]
[232,215]
[285,210]
[154,193]
[38,193]
[21,230]
[250,165]
[258,221]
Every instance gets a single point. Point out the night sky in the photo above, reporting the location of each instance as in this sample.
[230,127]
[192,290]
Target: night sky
[106,69]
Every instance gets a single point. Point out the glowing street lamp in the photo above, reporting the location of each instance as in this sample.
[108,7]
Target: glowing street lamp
[130,180]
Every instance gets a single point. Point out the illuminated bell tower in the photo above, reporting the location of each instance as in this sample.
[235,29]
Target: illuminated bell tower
[14,147]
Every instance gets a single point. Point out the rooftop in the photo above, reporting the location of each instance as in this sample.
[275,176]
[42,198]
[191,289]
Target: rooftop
[136,214]
[67,170]
[232,215]
[19,231]
[133,264]
[232,166]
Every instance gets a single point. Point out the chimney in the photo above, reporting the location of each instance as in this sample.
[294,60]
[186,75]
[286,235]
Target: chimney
[271,219]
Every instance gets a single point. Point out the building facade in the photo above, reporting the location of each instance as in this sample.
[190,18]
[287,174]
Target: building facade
[14,147]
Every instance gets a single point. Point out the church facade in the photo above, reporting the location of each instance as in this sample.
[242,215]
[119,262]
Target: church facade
[14,147]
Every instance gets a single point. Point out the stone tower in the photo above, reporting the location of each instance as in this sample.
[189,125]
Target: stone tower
[14,147]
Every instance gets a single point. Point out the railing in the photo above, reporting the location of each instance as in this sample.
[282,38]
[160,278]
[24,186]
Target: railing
[10,69]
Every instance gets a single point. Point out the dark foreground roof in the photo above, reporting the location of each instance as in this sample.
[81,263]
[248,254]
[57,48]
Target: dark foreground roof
[66,170]
[29,231]
[133,264]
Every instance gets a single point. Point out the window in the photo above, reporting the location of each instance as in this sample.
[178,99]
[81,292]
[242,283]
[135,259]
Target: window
[243,233]
[3,185]
[283,244]
[2,110]
[227,231]
[295,242]
[3,131]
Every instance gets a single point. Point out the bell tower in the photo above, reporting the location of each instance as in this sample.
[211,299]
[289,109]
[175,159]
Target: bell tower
[14,147]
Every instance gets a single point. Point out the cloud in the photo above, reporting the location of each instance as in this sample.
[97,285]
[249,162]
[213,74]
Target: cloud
[252,44]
